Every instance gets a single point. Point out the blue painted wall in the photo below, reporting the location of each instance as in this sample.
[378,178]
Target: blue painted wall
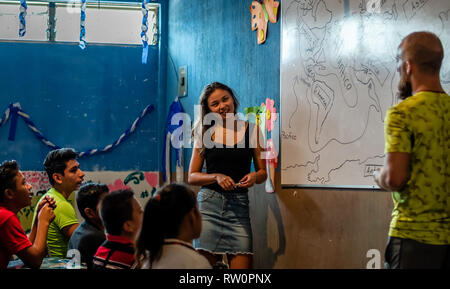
[214,39]
[84,99]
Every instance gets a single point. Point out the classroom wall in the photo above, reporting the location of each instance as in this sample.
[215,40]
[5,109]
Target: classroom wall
[83,99]
[293,228]
[86,99]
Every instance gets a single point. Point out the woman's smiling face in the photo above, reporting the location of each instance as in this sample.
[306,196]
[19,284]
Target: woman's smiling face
[221,102]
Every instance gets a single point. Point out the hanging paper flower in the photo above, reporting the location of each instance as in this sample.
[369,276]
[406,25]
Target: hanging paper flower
[272,154]
[270,113]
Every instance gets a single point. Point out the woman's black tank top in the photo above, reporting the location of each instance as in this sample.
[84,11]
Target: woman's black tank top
[234,162]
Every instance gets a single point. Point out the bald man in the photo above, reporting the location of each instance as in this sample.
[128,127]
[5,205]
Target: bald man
[417,165]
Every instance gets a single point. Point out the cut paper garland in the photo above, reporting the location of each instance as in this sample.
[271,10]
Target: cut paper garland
[22,14]
[14,111]
[82,43]
[144,27]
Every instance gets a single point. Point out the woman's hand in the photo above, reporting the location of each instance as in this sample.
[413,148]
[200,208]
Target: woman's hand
[248,180]
[225,182]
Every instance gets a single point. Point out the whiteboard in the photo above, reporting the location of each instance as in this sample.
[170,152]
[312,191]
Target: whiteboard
[338,78]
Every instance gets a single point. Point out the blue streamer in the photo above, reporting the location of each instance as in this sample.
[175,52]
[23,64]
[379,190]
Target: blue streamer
[17,110]
[82,44]
[144,27]
[12,129]
[175,108]
[6,115]
[22,14]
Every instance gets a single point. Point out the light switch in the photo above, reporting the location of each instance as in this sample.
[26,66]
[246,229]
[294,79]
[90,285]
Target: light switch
[182,81]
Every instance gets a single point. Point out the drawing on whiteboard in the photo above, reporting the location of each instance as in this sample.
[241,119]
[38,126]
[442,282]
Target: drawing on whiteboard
[338,78]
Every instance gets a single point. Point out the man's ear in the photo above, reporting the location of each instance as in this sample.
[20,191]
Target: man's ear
[89,213]
[8,195]
[192,216]
[408,67]
[127,226]
[57,177]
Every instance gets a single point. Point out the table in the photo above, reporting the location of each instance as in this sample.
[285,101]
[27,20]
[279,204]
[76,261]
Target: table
[47,263]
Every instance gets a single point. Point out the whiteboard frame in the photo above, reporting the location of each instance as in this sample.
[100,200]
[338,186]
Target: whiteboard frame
[312,186]
[357,187]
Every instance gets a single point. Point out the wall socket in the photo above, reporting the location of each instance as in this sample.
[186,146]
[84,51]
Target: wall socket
[182,80]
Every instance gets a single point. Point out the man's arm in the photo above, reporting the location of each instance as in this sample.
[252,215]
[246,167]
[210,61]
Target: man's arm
[68,230]
[33,255]
[395,172]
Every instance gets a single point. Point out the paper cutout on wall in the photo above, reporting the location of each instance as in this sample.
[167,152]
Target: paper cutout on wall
[265,116]
[272,155]
[257,112]
[259,22]
[272,9]
[270,113]
[261,15]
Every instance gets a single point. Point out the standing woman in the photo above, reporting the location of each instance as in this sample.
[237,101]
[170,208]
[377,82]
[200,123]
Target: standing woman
[228,148]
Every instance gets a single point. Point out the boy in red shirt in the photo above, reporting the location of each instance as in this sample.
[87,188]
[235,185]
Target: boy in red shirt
[14,195]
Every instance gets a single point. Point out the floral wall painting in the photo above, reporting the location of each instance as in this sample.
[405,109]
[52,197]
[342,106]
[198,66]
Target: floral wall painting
[143,184]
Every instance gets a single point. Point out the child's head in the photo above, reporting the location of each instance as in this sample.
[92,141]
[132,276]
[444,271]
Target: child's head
[14,189]
[171,213]
[121,214]
[63,169]
[88,201]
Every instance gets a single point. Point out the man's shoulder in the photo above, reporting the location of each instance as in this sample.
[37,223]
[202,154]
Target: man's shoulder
[5,215]
[89,238]
[52,192]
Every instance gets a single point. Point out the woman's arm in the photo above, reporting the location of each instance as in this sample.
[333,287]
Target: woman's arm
[260,164]
[197,178]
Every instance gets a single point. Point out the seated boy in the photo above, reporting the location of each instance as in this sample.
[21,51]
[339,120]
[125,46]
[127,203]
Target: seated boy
[65,176]
[14,195]
[122,217]
[90,234]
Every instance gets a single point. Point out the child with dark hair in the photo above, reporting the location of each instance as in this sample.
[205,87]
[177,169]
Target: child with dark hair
[65,176]
[15,195]
[90,234]
[171,221]
[122,217]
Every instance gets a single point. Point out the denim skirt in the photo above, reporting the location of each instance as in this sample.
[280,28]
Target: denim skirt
[226,227]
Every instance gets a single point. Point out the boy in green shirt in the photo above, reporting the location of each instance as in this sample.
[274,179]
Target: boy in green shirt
[66,177]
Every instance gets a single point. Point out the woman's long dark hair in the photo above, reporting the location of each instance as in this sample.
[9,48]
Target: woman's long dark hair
[163,215]
[204,109]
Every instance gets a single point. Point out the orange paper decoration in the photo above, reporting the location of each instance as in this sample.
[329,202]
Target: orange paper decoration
[261,14]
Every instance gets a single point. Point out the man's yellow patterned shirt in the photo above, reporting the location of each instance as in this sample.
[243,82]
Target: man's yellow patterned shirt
[420,126]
